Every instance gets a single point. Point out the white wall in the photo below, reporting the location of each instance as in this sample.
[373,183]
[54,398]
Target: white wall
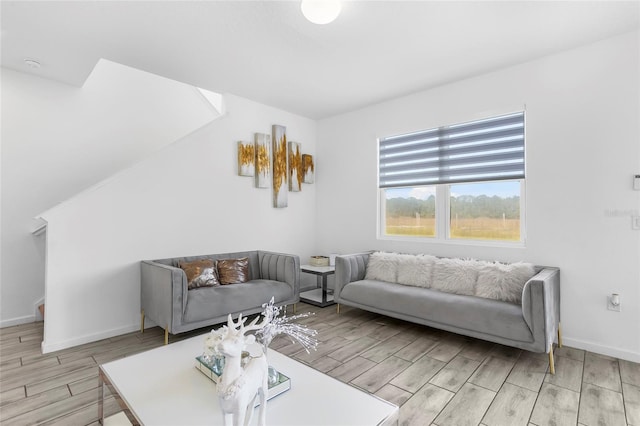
[583,147]
[185,200]
[58,140]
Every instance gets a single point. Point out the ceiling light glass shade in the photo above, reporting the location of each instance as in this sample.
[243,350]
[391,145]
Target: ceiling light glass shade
[320,11]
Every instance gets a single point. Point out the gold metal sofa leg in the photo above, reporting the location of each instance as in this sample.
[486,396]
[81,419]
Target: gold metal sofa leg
[338,309]
[552,367]
[142,321]
[559,336]
[166,336]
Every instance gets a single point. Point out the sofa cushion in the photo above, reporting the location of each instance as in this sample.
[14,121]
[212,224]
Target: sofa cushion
[415,270]
[200,273]
[233,271]
[208,278]
[243,297]
[503,281]
[254,270]
[456,276]
[382,266]
[438,309]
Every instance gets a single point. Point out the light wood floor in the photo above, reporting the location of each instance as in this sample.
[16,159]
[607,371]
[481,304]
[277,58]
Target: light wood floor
[436,377]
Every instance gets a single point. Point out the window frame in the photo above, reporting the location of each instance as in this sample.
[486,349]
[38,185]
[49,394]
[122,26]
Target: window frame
[443,195]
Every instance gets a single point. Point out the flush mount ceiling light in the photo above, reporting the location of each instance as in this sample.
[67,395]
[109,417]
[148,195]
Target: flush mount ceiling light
[320,11]
[32,63]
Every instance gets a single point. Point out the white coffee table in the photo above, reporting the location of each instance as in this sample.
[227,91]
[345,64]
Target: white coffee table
[163,387]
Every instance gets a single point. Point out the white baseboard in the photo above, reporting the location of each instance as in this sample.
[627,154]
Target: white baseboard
[601,349]
[76,341]
[17,321]
[26,319]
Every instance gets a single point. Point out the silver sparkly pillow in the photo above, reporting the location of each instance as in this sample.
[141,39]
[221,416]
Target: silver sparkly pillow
[208,278]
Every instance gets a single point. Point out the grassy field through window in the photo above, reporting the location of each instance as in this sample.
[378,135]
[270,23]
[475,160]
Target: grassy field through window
[482,228]
[478,211]
[411,226]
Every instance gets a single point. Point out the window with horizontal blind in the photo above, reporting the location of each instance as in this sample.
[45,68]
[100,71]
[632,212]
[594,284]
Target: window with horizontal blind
[456,182]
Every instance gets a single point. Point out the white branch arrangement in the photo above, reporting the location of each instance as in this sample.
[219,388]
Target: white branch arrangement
[283,325]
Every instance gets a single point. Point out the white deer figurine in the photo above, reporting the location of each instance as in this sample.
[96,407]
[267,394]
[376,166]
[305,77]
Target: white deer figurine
[239,386]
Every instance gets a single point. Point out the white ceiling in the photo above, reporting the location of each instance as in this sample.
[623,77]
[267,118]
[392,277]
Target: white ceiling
[268,52]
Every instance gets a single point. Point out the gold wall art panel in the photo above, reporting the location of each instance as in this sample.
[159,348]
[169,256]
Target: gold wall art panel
[308,168]
[263,160]
[246,159]
[280,166]
[295,167]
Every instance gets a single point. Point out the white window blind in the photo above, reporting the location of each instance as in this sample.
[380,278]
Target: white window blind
[488,149]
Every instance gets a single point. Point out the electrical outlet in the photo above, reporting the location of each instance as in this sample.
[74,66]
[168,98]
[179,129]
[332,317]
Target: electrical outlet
[611,306]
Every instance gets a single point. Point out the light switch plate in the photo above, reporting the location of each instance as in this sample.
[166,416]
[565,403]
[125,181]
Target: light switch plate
[636,182]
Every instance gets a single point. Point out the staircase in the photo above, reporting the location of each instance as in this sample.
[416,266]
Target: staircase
[142,108]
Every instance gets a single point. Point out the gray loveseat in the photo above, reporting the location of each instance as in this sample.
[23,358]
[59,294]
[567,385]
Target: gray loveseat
[166,300]
[531,325]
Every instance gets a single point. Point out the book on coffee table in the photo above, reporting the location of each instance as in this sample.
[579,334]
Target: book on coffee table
[283,384]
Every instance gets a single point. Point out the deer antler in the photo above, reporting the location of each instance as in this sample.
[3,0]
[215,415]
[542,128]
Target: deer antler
[231,325]
[239,327]
[253,325]
[235,327]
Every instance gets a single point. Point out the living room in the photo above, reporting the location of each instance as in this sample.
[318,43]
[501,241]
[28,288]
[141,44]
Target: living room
[116,185]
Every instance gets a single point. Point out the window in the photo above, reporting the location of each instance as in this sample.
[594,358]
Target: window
[485,211]
[410,211]
[459,182]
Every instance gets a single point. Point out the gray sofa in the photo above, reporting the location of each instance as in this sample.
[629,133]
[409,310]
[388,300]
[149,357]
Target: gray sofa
[531,325]
[166,300]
